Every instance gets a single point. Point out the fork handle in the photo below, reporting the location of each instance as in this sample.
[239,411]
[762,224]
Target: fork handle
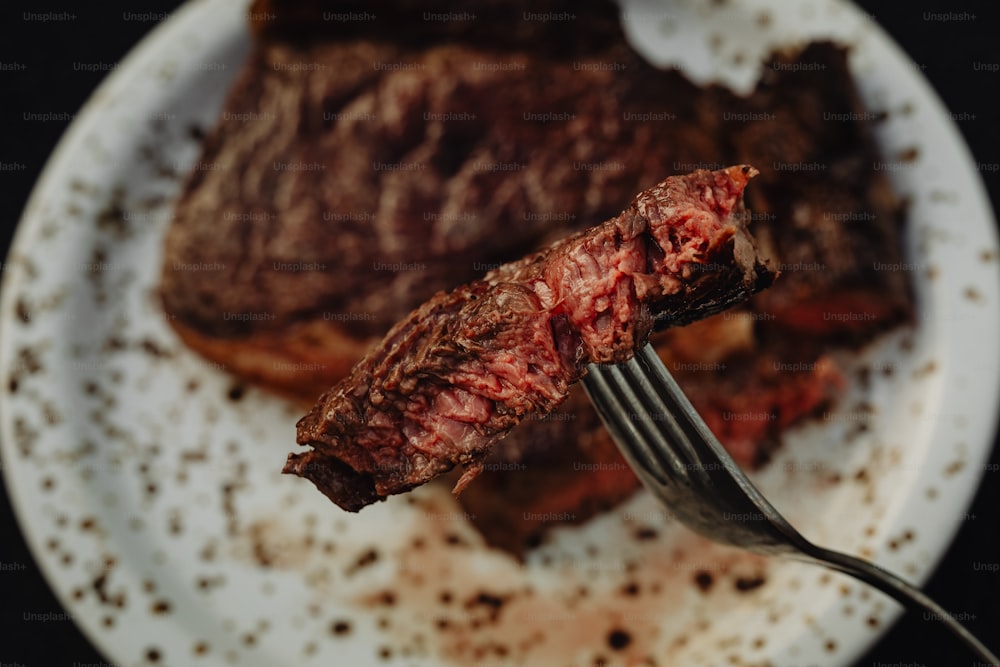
[906,594]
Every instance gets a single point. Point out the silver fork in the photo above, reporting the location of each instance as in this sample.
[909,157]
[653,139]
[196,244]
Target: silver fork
[682,463]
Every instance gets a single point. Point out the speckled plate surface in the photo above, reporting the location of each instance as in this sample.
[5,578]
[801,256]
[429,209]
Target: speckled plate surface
[148,484]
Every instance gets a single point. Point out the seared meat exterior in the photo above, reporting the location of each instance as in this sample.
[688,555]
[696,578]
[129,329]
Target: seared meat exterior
[462,370]
[317,263]
[350,178]
[825,216]
[825,211]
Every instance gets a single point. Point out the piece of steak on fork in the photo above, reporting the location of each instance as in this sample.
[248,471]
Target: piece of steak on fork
[463,369]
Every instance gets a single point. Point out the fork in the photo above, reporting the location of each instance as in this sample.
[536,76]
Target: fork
[682,463]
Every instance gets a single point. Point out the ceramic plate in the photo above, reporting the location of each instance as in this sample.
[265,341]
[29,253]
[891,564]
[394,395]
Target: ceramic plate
[147,483]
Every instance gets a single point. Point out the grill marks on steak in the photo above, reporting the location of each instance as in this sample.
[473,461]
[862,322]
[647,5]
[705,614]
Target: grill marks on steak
[354,171]
[463,369]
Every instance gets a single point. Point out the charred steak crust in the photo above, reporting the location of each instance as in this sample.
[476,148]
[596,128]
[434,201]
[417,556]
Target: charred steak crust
[404,180]
[468,365]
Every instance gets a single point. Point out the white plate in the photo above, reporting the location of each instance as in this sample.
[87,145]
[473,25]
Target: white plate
[152,499]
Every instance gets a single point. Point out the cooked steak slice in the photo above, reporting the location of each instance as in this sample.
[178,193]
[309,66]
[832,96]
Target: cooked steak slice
[463,369]
[405,170]
[828,215]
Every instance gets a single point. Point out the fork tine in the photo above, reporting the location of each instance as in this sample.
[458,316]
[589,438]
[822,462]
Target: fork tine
[623,409]
[675,455]
[680,461]
[607,390]
[664,413]
[688,429]
[690,433]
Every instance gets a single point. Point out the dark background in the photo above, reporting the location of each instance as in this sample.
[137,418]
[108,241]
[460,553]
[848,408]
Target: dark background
[945,51]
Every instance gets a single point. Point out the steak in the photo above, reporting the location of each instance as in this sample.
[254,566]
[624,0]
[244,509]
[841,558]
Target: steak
[828,215]
[313,265]
[463,369]
[405,164]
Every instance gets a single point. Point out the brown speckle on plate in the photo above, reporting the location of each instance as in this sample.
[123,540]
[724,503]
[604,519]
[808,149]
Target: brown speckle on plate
[25,437]
[972,294]
[175,523]
[112,218]
[646,533]
[455,540]
[340,628]
[703,580]
[619,639]
[23,311]
[747,584]
[236,392]
[631,589]
[365,559]
[954,468]
[154,349]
